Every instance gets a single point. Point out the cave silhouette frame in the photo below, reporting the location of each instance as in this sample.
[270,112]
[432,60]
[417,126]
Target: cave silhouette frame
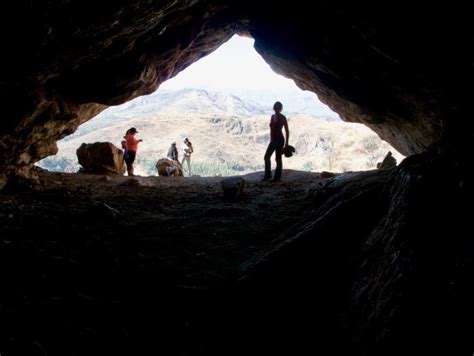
[240,35]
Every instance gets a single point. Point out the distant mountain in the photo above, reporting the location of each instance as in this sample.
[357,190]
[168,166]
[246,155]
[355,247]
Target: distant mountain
[294,102]
[190,101]
[200,101]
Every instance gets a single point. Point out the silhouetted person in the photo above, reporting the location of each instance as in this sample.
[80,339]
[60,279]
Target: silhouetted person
[173,152]
[277,142]
[187,152]
[131,149]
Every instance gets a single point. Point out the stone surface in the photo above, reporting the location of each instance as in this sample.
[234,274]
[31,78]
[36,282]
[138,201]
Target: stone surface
[388,162]
[101,157]
[66,65]
[3,181]
[233,188]
[382,266]
[167,167]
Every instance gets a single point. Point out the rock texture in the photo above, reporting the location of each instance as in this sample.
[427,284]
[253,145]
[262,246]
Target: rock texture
[388,162]
[167,167]
[101,157]
[67,64]
[382,266]
[3,181]
[233,188]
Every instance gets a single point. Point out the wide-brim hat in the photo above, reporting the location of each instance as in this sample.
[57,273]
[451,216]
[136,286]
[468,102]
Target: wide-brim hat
[288,151]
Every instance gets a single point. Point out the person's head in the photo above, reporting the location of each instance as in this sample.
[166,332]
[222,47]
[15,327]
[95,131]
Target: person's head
[173,143]
[132,131]
[186,140]
[278,107]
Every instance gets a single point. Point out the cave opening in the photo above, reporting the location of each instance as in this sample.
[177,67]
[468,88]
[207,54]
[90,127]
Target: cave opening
[370,263]
[222,103]
[165,248]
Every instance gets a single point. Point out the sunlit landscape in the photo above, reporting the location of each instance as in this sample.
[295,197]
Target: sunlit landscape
[223,103]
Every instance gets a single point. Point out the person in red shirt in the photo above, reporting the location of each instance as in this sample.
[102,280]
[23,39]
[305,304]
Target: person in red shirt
[131,143]
[277,142]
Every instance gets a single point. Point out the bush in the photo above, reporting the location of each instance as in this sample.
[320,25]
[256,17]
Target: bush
[205,169]
[146,166]
[59,164]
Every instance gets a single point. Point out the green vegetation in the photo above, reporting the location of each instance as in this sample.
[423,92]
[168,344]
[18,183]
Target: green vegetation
[59,164]
[205,169]
[146,166]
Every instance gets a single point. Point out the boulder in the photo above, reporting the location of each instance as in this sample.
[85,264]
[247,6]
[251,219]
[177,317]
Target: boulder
[233,187]
[169,168]
[100,158]
[388,162]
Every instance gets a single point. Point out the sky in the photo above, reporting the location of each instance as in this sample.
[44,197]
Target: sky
[236,68]
[234,65]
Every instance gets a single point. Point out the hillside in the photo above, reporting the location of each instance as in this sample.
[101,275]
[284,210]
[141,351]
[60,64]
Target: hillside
[229,135]
[230,145]
[189,100]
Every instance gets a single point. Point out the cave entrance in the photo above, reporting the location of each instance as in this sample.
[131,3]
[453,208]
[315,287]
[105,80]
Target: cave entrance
[223,103]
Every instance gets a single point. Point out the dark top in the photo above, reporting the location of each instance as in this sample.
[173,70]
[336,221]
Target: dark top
[276,125]
[173,153]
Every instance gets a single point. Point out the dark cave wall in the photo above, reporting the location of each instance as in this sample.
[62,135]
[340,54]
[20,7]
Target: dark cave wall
[396,67]
[399,270]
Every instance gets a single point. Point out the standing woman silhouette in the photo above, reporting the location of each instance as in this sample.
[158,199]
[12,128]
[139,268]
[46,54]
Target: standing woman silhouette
[131,144]
[277,142]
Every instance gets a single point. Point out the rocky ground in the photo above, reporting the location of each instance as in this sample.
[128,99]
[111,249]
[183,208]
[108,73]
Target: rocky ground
[86,261]
[364,263]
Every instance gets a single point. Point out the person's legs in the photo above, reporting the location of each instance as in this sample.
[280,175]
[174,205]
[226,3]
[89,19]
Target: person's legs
[182,163]
[279,163]
[127,162]
[131,160]
[187,159]
[268,155]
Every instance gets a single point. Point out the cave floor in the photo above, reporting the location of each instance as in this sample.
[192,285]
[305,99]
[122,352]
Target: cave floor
[181,225]
[79,244]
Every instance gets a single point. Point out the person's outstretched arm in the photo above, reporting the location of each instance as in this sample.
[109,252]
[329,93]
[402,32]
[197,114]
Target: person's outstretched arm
[287,131]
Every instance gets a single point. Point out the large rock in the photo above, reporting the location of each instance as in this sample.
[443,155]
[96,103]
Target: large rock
[101,157]
[388,162]
[168,167]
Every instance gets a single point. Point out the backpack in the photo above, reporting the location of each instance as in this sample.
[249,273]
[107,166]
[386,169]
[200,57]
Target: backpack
[124,147]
